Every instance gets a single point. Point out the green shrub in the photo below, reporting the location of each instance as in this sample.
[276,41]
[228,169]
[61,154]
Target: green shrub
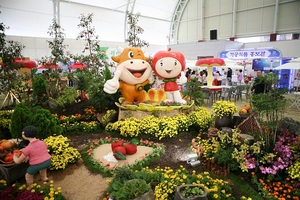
[39,87]
[19,119]
[130,189]
[101,100]
[67,98]
[5,121]
[45,122]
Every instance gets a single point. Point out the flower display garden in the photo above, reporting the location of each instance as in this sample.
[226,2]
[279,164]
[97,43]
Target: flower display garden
[272,168]
[255,160]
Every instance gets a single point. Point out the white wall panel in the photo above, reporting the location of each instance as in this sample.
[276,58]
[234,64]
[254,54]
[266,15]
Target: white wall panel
[241,21]
[268,19]
[253,18]
[225,26]
[212,7]
[226,7]
[254,3]
[192,30]
[289,16]
[182,32]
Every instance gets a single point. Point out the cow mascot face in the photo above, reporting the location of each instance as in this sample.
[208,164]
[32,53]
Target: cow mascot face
[132,74]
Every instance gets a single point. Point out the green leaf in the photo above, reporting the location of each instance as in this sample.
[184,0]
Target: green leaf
[134,141]
[120,156]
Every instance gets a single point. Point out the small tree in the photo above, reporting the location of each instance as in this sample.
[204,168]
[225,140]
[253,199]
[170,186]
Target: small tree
[270,106]
[11,82]
[39,87]
[134,30]
[88,34]
[58,55]
[192,90]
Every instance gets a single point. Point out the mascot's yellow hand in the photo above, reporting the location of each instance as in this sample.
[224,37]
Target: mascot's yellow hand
[111,86]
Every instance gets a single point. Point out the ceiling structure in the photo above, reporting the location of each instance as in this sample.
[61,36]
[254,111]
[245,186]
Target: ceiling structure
[163,10]
[158,9]
[164,21]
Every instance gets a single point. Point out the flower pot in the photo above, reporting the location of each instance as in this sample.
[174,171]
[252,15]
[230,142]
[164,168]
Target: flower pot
[225,121]
[180,189]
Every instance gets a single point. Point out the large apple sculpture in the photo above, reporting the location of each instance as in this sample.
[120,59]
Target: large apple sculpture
[169,65]
[121,148]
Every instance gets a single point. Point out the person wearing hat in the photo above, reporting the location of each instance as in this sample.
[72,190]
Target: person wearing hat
[37,154]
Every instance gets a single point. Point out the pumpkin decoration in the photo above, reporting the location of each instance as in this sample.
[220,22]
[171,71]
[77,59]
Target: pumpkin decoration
[247,107]
[6,144]
[243,111]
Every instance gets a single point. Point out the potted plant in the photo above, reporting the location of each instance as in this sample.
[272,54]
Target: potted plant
[223,111]
[191,192]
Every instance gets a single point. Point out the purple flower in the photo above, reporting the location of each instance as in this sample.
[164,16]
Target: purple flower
[250,164]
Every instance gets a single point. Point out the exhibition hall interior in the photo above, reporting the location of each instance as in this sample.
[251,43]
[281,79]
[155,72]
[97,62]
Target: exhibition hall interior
[150,99]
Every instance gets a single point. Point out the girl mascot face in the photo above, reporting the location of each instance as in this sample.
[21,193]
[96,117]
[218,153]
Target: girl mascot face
[169,65]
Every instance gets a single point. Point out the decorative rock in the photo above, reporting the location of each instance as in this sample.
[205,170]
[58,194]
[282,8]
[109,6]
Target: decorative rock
[248,139]
[227,130]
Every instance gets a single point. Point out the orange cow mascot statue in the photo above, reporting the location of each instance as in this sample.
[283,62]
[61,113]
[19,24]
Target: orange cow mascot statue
[132,74]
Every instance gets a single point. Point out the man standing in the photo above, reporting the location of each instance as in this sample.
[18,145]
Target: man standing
[259,85]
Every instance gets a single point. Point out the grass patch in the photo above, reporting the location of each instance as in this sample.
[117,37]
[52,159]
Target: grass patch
[244,187]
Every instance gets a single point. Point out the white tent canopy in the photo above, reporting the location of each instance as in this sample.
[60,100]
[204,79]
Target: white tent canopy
[293,64]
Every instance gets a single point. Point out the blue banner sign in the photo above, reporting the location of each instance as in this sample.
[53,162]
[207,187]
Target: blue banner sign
[250,54]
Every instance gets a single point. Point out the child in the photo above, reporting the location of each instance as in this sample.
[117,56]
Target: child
[37,154]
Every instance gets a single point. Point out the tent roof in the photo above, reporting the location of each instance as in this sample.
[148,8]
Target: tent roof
[162,10]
